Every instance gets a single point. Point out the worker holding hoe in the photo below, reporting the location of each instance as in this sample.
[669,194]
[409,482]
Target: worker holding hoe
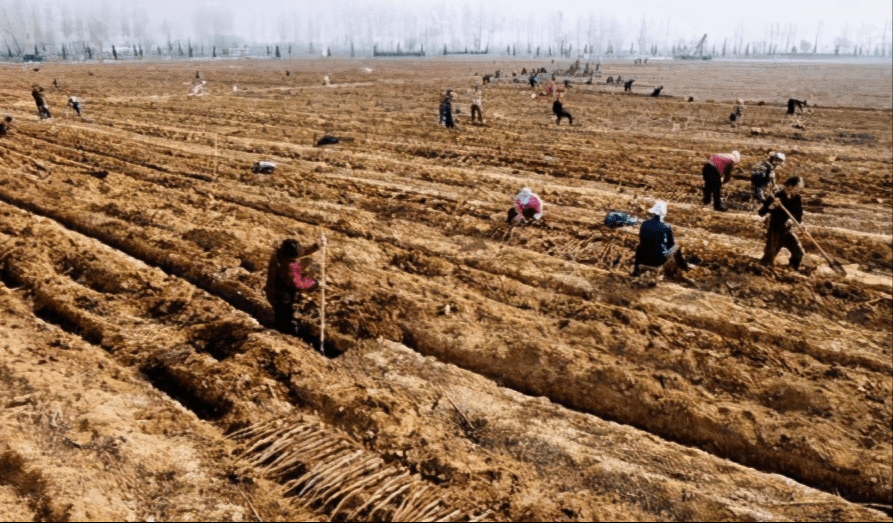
[285,280]
[785,207]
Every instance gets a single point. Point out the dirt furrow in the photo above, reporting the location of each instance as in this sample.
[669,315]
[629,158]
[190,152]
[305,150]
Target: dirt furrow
[179,366]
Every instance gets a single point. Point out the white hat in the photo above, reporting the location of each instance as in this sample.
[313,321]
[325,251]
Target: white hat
[736,156]
[780,156]
[659,208]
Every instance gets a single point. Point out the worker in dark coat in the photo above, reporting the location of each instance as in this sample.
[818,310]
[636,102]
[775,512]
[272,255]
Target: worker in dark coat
[558,110]
[5,124]
[656,244]
[446,109]
[780,232]
[762,180]
[42,109]
[285,280]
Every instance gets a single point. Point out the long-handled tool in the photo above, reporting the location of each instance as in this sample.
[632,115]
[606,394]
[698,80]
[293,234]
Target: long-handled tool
[322,307]
[834,264]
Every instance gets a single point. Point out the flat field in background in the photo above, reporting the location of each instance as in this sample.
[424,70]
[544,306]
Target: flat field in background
[473,372]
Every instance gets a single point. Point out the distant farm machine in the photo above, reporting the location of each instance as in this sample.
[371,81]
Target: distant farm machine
[696,54]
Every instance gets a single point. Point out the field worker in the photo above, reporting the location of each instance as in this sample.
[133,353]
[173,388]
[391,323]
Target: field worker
[780,232]
[42,111]
[477,104]
[656,244]
[75,104]
[285,281]
[763,177]
[446,109]
[559,111]
[716,172]
[5,124]
[528,208]
[735,115]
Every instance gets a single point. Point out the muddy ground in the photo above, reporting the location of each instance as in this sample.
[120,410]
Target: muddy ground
[471,373]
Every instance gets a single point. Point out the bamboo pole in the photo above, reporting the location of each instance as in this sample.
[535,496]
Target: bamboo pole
[322,306]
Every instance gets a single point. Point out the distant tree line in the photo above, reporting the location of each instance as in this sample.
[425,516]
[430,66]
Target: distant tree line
[33,30]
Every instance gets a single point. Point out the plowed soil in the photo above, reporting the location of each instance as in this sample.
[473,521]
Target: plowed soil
[471,372]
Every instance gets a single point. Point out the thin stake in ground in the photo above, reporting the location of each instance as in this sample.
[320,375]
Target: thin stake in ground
[322,305]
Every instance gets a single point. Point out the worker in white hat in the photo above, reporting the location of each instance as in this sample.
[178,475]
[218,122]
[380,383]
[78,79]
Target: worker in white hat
[656,244]
[717,171]
[763,177]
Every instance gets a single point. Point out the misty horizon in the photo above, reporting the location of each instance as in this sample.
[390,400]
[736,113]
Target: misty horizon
[643,27]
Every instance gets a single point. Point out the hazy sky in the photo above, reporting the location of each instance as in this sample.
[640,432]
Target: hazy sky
[665,20]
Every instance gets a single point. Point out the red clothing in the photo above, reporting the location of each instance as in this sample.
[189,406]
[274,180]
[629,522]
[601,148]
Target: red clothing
[721,162]
[532,203]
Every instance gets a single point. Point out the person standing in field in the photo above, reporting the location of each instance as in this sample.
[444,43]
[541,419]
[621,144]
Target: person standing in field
[762,179]
[446,109]
[528,208]
[780,234]
[285,280]
[716,172]
[42,110]
[477,105]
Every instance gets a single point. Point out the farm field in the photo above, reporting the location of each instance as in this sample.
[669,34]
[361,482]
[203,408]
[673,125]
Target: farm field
[472,372]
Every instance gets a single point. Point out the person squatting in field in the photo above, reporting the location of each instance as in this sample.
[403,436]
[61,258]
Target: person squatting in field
[794,105]
[477,105]
[558,110]
[717,171]
[779,233]
[528,208]
[42,111]
[656,244]
[285,281]
[763,177]
[446,109]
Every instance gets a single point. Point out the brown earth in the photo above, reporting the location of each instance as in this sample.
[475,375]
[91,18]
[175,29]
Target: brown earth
[473,372]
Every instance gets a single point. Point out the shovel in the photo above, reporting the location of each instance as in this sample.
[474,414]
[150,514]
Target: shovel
[834,264]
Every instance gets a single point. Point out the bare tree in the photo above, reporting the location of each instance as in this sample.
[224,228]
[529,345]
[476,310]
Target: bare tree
[98,31]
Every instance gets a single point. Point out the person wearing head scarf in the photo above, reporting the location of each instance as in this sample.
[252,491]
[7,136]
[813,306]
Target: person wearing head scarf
[285,280]
[763,177]
[75,104]
[528,207]
[656,243]
[716,171]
